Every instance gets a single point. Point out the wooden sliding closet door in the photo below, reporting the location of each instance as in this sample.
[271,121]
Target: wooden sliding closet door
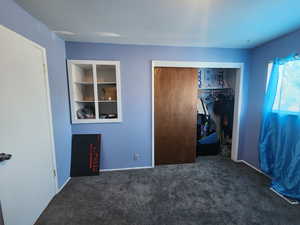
[175,115]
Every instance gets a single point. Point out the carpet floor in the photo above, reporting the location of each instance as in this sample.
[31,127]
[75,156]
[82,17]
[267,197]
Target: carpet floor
[213,190]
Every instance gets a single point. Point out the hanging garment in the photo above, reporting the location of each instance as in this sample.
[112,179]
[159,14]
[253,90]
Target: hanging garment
[215,117]
[221,112]
[224,108]
[279,142]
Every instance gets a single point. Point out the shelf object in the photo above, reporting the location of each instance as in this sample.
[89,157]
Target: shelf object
[85,159]
[95,91]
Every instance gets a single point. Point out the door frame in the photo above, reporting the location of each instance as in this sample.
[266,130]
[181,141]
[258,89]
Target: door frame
[237,99]
[44,55]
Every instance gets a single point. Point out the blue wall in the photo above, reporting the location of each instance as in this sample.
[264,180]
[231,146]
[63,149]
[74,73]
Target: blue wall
[260,57]
[133,135]
[15,18]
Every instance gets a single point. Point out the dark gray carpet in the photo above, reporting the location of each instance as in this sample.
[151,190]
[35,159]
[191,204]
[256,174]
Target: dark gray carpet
[212,191]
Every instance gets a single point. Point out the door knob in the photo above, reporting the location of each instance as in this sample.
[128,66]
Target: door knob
[4,156]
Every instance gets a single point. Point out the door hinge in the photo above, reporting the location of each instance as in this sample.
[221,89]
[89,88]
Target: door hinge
[54,173]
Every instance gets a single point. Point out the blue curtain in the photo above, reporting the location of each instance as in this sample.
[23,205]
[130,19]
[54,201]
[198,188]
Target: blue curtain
[279,141]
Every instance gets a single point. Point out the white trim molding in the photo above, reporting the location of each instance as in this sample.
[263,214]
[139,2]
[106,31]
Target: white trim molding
[277,193]
[62,187]
[285,198]
[128,168]
[253,167]
[237,100]
[47,86]
[196,64]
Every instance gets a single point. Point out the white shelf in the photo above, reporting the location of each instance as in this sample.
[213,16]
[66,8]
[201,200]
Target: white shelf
[78,121]
[103,101]
[113,101]
[82,82]
[214,88]
[87,101]
[106,83]
[91,83]
[95,80]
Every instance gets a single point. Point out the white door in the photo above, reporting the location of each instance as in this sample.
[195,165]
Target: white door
[27,182]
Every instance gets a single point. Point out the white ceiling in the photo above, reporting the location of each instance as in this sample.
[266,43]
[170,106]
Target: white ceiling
[204,23]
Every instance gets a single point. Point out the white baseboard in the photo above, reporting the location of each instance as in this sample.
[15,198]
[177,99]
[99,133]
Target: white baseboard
[107,170]
[62,187]
[129,168]
[258,170]
[253,167]
[285,198]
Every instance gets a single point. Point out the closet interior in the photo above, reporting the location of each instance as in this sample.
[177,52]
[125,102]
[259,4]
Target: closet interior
[215,111]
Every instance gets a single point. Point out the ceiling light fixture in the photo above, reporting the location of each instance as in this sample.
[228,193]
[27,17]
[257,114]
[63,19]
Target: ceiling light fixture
[108,34]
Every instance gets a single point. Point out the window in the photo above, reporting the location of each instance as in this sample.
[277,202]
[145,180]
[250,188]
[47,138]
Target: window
[288,88]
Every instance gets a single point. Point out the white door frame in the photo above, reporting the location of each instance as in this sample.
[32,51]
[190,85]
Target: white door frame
[237,99]
[43,50]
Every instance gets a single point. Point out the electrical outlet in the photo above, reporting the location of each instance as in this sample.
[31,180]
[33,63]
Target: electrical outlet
[136,156]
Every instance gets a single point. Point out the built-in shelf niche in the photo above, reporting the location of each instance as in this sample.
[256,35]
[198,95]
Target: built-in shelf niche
[95,91]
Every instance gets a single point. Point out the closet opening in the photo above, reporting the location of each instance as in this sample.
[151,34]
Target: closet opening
[196,109]
[215,111]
